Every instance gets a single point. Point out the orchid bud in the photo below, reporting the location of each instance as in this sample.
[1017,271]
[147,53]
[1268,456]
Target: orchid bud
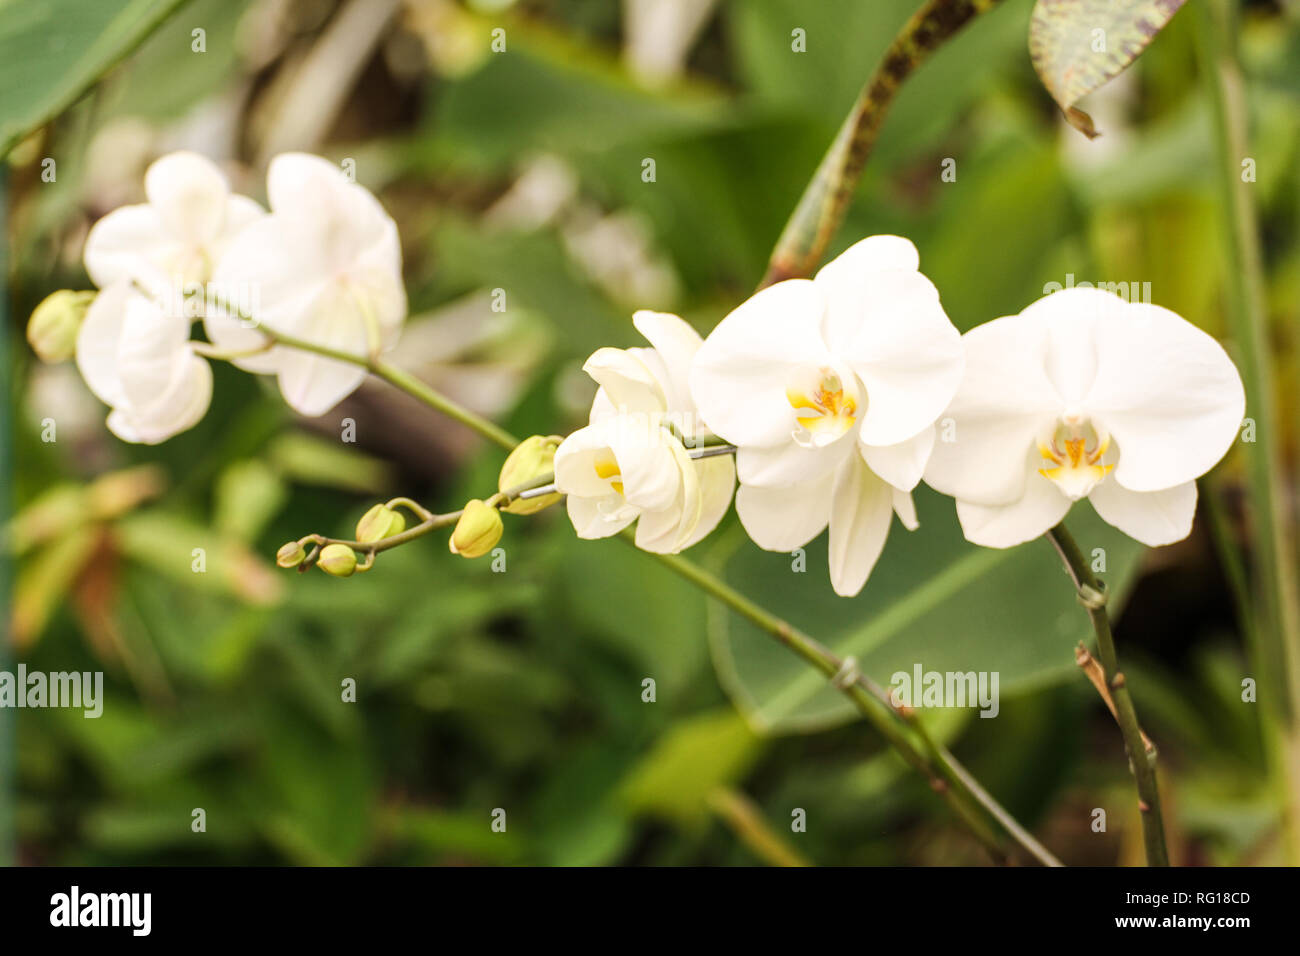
[533,458]
[53,327]
[338,560]
[378,523]
[477,531]
[290,555]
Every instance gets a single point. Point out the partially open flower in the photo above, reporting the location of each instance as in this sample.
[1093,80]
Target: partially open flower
[1084,395]
[478,530]
[830,389]
[628,464]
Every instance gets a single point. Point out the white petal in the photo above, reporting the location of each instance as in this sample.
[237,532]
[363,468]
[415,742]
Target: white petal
[741,372]
[862,507]
[903,464]
[189,192]
[1167,393]
[1153,517]
[575,472]
[626,380]
[790,463]
[717,477]
[1004,399]
[676,343]
[312,385]
[598,517]
[345,225]
[1002,526]
[905,351]
[97,342]
[129,243]
[905,508]
[667,531]
[846,281]
[782,519]
[650,462]
[175,410]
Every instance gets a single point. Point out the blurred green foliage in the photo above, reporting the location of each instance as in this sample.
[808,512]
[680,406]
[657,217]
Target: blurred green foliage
[523,690]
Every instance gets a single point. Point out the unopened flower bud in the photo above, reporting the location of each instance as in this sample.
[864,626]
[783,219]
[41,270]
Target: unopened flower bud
[378,523]
[338,560]
[533,458]
[477,531]
[290,555]
[53,327]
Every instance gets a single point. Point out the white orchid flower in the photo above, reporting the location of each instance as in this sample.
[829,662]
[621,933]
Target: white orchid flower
[325,266]
[830,388]
[1085,395]
[137,358]
[174,239]
[627,464]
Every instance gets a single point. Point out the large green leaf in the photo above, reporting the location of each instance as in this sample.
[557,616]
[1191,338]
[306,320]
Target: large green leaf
[1077,45]
[933,600]
[52,51]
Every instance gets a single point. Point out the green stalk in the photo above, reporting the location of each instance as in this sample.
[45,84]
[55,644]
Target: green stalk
[828,194]
[1142,753]
[1278,621]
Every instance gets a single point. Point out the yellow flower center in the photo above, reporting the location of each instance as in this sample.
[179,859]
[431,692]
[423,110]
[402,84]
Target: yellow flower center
[606,467]
[823,408]
[1072,454]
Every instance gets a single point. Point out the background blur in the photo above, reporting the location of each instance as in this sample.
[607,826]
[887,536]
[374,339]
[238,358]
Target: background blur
[522,171]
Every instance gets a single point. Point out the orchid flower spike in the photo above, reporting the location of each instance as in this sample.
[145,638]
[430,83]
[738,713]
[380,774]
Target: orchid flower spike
[830,388]
[325,266]
[630,463]
[1084,395]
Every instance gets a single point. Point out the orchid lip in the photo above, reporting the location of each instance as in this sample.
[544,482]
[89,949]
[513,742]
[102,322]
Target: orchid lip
[824,408]
[1073,453]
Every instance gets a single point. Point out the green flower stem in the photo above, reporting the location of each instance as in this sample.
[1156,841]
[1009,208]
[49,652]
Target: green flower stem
[946,775]
[432,523]
[1277,590]
[408,383]
[1142,753]
[827,196]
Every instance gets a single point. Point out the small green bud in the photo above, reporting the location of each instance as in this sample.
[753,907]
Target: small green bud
[290,555]
[477,531]
[533,458]
[53,327]
[338,560]
[378,523]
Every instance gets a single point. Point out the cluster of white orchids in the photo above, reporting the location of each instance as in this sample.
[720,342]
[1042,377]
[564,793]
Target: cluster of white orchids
[829,399]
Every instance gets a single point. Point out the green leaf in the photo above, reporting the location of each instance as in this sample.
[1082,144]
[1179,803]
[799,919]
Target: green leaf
[934,599]
[1077,45]
[51,52]
[689,763]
